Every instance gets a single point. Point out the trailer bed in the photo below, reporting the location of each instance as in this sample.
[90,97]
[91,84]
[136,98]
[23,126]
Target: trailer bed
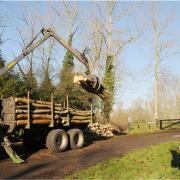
[25,112]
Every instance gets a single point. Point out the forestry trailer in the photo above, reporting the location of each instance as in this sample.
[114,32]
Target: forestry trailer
[32,120]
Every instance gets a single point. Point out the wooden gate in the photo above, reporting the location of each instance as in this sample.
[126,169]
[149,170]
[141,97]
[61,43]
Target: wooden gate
[169,124]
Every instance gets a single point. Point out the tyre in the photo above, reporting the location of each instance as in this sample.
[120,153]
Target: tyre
[57,140]
[76,137]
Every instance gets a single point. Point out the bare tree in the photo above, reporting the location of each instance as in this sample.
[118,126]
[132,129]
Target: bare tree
[115,39]
[95,37]
[162,49]
[2,26]
[2,29]
[46,87]
[67,13]
[169,95]
[29,26]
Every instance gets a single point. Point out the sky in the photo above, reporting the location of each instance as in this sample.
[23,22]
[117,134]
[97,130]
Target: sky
[136,59]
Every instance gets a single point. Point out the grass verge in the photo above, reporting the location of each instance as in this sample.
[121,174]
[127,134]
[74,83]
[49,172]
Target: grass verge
[155,162]
[143,128]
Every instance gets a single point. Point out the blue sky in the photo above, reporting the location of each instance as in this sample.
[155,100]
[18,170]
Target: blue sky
[136,58]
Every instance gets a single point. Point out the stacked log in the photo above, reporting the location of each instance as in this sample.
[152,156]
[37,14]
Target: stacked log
[97,131]
[43,112]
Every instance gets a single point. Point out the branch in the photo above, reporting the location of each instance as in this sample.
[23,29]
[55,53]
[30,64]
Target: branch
[167,55]
[126,12]
[132,38]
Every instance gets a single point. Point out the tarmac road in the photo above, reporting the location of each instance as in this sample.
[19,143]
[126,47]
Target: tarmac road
[44,165]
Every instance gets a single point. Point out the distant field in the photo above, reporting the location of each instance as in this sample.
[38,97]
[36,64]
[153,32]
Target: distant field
[142,128]
[156,162]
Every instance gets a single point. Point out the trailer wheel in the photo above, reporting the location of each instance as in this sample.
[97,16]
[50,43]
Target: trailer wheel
[76,137]
[57,140]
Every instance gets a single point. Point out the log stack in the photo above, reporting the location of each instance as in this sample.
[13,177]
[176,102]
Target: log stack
[43,112]
[97,131]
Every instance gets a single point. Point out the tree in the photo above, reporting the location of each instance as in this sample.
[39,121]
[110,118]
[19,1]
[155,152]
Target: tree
[11,84]
[78,98]
[169,95]
[115,40]
[30,22]
[162,50]
[2,61]
[46,87]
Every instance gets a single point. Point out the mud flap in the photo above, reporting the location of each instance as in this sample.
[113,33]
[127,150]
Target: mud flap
[7,146]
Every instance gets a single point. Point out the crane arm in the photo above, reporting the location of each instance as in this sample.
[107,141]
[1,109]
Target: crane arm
[80,56]
[29,48]
[32,46]
[88,82]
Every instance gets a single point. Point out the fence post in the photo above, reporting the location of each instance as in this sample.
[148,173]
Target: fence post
[138,126]
[160,121]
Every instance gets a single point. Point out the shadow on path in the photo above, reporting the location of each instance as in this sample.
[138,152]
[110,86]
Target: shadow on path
[27,170]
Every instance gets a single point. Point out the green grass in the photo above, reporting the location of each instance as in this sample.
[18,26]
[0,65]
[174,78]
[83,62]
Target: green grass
[143,128]
[148,163]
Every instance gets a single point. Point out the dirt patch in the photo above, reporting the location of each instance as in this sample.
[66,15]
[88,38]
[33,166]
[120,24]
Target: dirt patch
[44,165]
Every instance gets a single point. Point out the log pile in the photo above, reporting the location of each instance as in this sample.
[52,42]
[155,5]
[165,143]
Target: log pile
[42,112]
[97,131]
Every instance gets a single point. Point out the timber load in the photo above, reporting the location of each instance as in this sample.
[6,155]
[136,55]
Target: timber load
[27,112]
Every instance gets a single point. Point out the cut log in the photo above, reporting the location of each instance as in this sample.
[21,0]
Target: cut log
[40,111]
[48,121]
[36,121]
[25,101]
[21,107]
[36,105]
[58,108]
[81,114]
[81,117]
[37,116]
[80,122]
[61,112]
[37,102]
[21,111]
[91,84]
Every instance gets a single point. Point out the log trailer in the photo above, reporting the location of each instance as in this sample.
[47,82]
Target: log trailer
[39,121]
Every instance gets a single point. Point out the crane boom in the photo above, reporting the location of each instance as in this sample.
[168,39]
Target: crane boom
[88,82]
[80,56]
[32,46]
